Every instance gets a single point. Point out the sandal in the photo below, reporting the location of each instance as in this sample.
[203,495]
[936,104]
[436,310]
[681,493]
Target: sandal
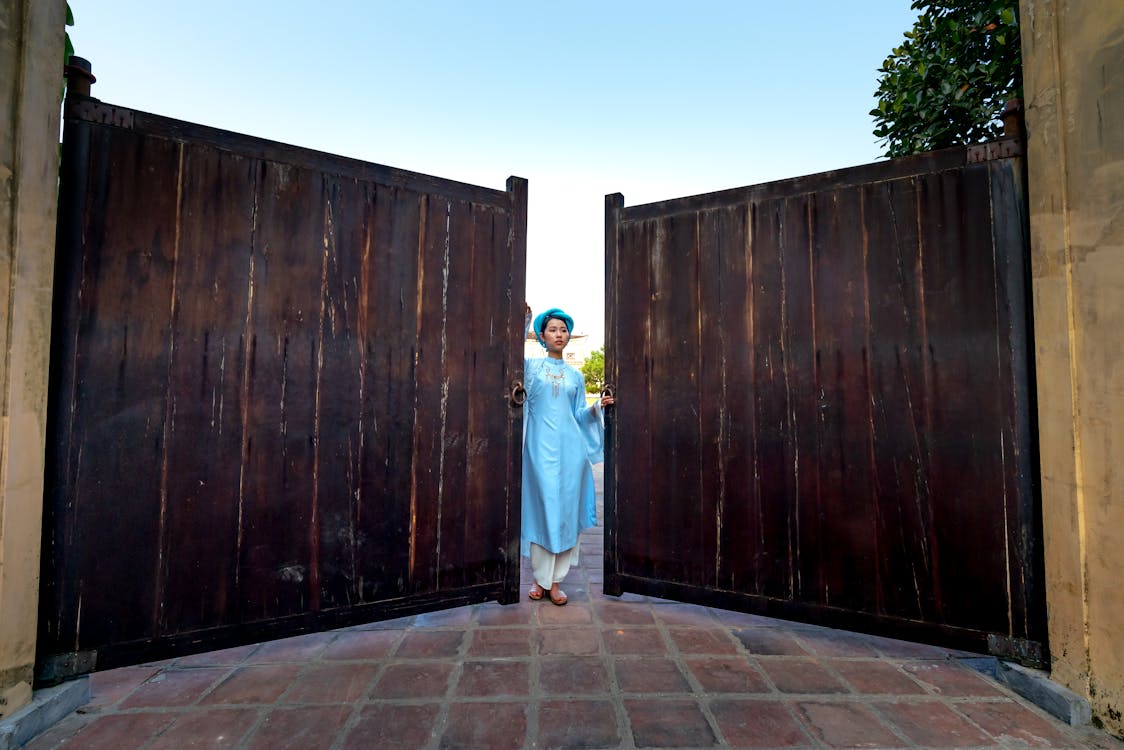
[536,592]
[559,600]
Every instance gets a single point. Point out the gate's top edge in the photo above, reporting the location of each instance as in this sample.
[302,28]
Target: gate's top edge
[95,111]
[880,171]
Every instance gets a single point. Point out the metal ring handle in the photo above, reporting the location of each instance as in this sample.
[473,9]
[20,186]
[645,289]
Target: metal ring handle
[608,392]
[518,393]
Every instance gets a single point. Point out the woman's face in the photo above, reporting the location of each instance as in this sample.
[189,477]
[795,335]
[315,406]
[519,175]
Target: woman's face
[556,335]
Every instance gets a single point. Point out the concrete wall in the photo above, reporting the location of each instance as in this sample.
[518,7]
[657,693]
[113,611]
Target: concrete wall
[1073,57]
[31,49]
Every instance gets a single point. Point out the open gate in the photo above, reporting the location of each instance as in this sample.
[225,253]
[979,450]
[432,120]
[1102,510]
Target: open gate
[824,406]
[279,392]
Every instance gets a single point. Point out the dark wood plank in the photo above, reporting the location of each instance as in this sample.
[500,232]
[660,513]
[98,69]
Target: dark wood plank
[278,535]
[199,578]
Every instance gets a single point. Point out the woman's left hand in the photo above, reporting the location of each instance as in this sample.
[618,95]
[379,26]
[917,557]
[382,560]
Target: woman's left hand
[606,401]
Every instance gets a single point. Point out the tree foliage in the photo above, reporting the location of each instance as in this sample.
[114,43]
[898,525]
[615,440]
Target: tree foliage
[594,371]
[948,81]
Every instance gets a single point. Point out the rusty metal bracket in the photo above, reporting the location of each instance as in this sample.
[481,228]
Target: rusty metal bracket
[92,110]
[1002,149]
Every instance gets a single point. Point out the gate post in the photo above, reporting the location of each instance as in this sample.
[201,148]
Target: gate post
[613,205]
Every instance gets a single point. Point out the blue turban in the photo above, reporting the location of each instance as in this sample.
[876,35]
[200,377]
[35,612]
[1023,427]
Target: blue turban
[545,317]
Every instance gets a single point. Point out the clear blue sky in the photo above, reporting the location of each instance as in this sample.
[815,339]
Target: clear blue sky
[650,99]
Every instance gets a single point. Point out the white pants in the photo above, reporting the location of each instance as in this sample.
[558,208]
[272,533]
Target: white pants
[549,568]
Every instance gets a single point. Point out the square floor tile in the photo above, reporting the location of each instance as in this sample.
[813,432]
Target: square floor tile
[650,676]
[759,724]
[485,726]
[623,613]
[691,641]
[570,614]
[362,644]
[769,642]
[794,675]
[574,641]
[217,728]
[574,725]
[872,676]
[304,728]
[847,725]
[296,649]
[933,724]
[731,675]
[110,686]
[573,675]
[634,641]
[397,726]
[487,679]
[674,613]
[118,731]
[174,687]
[430,644]
[419,680]
[1008,721]
[331,683]
[668,724]
[511,614]
[951,679]
[500,642]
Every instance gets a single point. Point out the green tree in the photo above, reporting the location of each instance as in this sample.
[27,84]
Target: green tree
[948,81]
[594,371]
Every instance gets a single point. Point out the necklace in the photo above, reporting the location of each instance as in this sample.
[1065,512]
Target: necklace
[556,377]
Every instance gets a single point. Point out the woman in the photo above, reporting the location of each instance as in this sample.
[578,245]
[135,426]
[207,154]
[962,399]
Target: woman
[562,439]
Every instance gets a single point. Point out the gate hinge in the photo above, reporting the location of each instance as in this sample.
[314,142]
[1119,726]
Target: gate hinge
[1028,653]
[58,667]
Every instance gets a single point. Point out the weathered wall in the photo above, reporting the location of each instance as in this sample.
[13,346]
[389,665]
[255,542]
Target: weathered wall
[1074,74]
[31,48]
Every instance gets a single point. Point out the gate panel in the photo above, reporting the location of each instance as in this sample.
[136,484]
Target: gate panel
[823,408]
[280,392]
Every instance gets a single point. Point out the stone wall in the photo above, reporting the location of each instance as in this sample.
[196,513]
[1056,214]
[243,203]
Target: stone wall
[1073,56]
[31,56]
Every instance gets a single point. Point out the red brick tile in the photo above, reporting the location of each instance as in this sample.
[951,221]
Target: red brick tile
[216,729]
[304,728]
[110,686]
[486,679]
[571,614]
[675,613]
[430,644]
[456,617]
[873,676]
[635,641]
[759,724]
[485,726]
[577,724]
[362,644]
[622,613]
[1008,721]
[425,680]
[727,676]
[60,736]
[796,675]
[261,683]
[119,731]
[847,725]
[511,614]
[669,724]
[573,676]
[298,648]
[393,727]
[500,642]
[174,687]
[933,724]
[769,642]
[827,642]
[331,683]
[951,679]
[227,657]
[650,676]
[575,641]
[699,641]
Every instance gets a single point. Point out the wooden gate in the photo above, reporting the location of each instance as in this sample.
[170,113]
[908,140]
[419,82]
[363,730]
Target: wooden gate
[824,404]
[279,392]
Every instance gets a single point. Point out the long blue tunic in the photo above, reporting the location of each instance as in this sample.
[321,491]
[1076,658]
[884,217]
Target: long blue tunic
[562,439]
